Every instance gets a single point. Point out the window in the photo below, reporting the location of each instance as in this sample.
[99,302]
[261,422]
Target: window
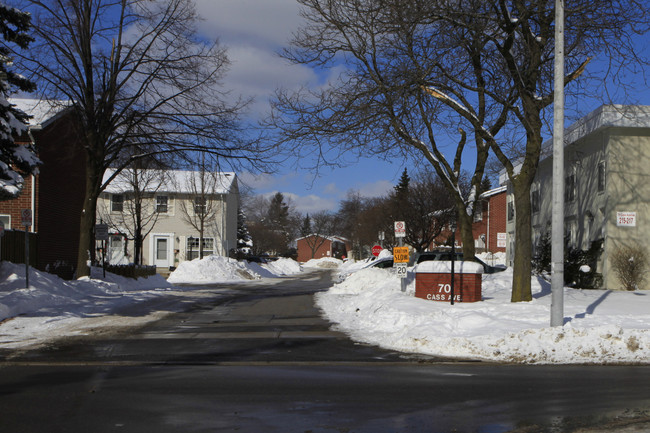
[511,210]
[117,203]
[570,188]
[6,220]
[200,205]
[193,247]
[162,204]
[534,200]
[601,176]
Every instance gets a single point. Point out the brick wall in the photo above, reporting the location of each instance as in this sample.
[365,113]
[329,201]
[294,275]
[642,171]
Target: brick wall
[61,192]
[23,201]
[304,249]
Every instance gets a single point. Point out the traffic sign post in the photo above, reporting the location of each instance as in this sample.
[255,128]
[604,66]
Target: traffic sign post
[400,253]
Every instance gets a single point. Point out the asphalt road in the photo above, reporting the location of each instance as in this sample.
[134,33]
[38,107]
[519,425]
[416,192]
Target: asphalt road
[259,358]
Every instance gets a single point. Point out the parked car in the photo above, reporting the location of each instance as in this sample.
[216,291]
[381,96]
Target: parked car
[446,256]
[382,263]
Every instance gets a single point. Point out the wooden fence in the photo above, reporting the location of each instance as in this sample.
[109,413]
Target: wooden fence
[12,247]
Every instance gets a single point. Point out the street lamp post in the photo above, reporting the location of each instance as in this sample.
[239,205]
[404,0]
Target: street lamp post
[453,257]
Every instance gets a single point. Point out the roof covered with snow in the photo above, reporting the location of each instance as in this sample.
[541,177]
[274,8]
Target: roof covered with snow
[43,111]
[176,181]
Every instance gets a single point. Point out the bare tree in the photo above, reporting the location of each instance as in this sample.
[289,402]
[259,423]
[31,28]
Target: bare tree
[203,207]
[418,75]
[323,226]
[137,76]
[429,208]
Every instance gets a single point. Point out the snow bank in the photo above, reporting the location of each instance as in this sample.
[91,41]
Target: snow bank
[601,326]
[217,269]
[325,263]
[443,267]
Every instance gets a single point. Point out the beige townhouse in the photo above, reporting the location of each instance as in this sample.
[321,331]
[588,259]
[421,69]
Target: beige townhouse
[178,212]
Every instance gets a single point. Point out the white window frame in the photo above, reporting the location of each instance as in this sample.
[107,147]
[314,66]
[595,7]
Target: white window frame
[158,204]
[114,202]
[195,247]
[8,218]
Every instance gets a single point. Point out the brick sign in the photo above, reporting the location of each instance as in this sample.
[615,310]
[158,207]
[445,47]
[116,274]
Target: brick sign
[437,287]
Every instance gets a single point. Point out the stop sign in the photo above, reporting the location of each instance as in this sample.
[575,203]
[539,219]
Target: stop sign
[376,250]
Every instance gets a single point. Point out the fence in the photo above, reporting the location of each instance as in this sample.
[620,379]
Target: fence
[131,271]
[12,247]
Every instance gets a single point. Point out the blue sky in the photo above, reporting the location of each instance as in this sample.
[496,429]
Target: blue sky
[253,32]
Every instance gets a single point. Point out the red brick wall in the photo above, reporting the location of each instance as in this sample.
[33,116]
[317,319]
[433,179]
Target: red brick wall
[304,250]
[62,189]
[498,217]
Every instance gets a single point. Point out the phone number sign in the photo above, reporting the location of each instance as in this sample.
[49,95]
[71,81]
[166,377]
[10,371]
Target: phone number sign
[626,219]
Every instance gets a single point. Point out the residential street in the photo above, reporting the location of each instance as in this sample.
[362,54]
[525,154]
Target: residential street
[259,358]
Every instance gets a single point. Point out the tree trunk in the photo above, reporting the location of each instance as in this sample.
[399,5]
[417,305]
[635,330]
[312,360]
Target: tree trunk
[522,267]
[86,249]
[465,229]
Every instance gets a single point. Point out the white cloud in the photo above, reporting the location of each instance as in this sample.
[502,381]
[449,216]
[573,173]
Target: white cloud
[254,31]
[257,22]
[310,204]
[375,189]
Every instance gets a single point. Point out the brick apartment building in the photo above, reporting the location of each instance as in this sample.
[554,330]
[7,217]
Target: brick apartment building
[323,246]
[489,226]
[56,194]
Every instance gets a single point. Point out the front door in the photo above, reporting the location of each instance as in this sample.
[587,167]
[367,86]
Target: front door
[161,247]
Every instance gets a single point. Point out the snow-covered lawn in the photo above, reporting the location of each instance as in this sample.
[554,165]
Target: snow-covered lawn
[52,308]
[601,326]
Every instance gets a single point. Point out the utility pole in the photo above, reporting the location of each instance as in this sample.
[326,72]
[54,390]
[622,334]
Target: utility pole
[557,220]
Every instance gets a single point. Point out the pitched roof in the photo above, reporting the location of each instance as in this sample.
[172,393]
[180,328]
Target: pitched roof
[176,181]
[43,111]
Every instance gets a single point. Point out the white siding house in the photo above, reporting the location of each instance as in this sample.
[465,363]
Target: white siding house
[607,174]
[174,204]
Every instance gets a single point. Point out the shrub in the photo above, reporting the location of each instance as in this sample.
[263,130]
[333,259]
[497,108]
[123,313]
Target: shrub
[580,266]
[630,264]
[542,258]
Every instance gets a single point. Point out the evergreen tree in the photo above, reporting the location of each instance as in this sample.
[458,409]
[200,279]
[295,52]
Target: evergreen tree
[305,230]
[244,239]
[278,213]
[400,197]
[402,188]
[16,160]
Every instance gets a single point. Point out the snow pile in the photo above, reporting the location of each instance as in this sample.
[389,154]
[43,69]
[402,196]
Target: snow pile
[48,291]
[217,269]
[601,326]
[323,263]
[51,307]
[283,266]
